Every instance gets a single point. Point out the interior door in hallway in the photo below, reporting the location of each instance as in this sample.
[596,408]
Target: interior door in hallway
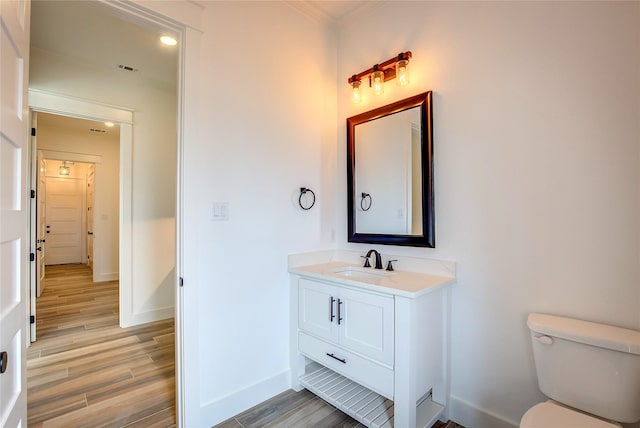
[90,212]
[64,197]
[41,223]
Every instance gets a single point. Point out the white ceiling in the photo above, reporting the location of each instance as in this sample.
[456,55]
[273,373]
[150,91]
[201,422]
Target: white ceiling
[77,125]
[90,32]
[87,31]
[337,10]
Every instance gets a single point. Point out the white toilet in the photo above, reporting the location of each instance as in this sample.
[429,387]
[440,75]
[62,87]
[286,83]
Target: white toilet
[590,371]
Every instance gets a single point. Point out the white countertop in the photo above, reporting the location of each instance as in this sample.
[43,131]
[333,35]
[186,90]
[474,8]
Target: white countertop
[398,282]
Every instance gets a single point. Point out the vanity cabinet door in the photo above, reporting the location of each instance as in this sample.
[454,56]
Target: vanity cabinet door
[356,320]
[317,312]
[367,325]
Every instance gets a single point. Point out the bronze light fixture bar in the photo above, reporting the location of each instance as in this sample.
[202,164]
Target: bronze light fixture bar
[382,72]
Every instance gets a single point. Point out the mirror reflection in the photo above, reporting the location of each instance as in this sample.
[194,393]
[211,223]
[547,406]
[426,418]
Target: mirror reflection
[389,173]
[388,177]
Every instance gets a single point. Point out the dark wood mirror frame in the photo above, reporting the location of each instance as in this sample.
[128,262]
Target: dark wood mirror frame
[427,239]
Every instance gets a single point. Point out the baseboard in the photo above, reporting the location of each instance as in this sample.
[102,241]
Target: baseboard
[102,277]
[226,407]
[472,416]
[149,316]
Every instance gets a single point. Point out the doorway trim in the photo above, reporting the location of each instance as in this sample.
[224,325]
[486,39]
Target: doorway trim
[96,160]
[185,18]
[47,102]
[63,105]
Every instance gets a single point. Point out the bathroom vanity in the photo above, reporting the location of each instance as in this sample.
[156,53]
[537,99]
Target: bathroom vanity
[371,342]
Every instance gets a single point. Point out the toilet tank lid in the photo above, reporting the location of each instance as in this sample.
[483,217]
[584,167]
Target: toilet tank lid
[590,333]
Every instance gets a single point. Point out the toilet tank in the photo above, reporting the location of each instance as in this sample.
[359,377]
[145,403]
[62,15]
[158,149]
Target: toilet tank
[589,366]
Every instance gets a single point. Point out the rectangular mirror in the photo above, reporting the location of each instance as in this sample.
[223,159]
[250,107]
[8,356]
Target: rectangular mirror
[390,174]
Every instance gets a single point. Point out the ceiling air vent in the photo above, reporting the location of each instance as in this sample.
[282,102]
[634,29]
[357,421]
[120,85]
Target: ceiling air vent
[127,68]
[97,130]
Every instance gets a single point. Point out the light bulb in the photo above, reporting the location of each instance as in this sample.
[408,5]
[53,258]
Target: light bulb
[356,95]
[402,72]
[377,82]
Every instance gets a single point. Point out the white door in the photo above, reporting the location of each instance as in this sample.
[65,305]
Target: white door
[41,199]
[91,172]
[34,241]
[64,220]
[14,209]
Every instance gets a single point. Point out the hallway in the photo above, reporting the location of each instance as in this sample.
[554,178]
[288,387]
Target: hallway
[84,370]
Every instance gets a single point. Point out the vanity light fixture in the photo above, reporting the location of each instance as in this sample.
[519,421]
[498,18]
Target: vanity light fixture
[377,80]
[356,94]
[397,66]
[402,71]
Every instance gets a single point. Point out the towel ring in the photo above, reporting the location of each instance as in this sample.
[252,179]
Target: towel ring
[363,202]
[304,191]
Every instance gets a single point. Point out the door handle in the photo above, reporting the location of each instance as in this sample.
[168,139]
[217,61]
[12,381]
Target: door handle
[4,360]
[89,233]
[339,315]
[331,302]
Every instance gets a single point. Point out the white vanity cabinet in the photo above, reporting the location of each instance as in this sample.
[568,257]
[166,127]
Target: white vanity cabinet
[349,331]
[375,349]
[356,320]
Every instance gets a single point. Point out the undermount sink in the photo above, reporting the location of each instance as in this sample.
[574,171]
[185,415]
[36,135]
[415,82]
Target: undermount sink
[353,272]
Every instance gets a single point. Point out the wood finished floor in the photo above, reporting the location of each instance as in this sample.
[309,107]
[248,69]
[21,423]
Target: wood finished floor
[85,371]
[299,410]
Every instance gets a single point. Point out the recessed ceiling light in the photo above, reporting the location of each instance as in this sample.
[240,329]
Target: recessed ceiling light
[109,124]
[167,40]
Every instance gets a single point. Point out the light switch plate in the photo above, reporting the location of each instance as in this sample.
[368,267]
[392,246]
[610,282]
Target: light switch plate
[220,211]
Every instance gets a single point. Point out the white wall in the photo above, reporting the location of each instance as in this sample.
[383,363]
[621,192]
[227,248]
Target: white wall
[106,186]
[537,173]
[154,166]
[266,128]
[536,119]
